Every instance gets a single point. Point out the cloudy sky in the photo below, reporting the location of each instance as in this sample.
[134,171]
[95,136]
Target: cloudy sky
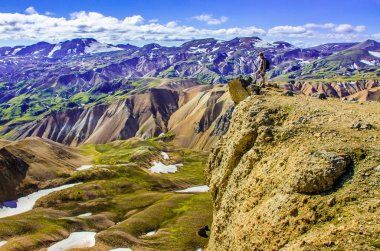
[171,22]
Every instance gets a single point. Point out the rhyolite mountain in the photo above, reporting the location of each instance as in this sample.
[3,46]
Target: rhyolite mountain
[71,91]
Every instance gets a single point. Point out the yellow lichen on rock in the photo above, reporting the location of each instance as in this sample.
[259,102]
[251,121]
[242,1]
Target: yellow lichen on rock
[292,173]
[237,92]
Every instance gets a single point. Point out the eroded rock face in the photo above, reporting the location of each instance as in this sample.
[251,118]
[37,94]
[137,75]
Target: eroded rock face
[12,172]
[319,173]
[333,89]
[287,176]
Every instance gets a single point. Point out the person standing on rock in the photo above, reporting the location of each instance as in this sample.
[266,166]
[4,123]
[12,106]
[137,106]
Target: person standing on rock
[264,65]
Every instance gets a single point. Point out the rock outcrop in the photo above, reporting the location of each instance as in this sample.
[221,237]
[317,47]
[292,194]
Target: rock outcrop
[291,174]
[372,94]
[331,89]
[12,173]
[34,163]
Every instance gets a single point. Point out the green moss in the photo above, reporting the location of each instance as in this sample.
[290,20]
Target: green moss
[81,98]
[359,154]
[103,148]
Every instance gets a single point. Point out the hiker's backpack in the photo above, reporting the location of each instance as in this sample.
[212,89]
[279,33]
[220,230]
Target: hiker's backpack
[267,64]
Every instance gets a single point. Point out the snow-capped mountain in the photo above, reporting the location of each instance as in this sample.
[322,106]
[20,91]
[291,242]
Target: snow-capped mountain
[75,47]
[87,60]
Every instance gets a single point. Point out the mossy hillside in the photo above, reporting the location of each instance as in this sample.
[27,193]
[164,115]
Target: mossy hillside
[41,226]
[125,199]
[38,101]
[179,216]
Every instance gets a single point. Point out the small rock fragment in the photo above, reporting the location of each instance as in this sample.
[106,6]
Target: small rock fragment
[319,95]
[331,202]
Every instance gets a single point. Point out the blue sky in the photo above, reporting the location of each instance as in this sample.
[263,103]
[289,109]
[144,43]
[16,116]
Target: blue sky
[302,22]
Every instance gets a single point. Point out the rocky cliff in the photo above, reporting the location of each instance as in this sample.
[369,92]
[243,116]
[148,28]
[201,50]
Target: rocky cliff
[297,173]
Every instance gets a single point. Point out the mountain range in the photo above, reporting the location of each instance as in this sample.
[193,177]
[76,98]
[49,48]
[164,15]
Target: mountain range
[206,59]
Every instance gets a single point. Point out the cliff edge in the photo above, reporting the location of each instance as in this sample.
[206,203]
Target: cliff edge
[297,173]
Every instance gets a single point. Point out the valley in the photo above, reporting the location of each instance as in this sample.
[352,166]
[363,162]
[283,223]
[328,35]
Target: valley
[118,199]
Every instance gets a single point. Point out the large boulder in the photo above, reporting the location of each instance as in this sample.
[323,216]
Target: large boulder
[237,91]
[320,173]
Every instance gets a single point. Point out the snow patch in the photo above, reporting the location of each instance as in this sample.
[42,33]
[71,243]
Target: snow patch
[159,167]
[197,50]
[56,48]
[171,57]
[151,233]
[368,62]
[84,215]
[263,44]
[17,50]
[374,53]
[96,47]
[198,189]
[75,240]
[165,156]
[215,49]
[2,243]
[84,167]
[302,61]
[26,203]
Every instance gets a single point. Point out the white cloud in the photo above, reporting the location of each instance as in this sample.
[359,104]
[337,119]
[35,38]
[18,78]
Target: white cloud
[376,36]
[16,26]
[348,28]
[30,10]
[340,28]
[289,31]
[210,20]
[322,26]
[32,26]
[172,24]
[133,20]
[344,32]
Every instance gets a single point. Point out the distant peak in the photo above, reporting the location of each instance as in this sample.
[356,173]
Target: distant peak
[81,40]
[199,41]
[151,46]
